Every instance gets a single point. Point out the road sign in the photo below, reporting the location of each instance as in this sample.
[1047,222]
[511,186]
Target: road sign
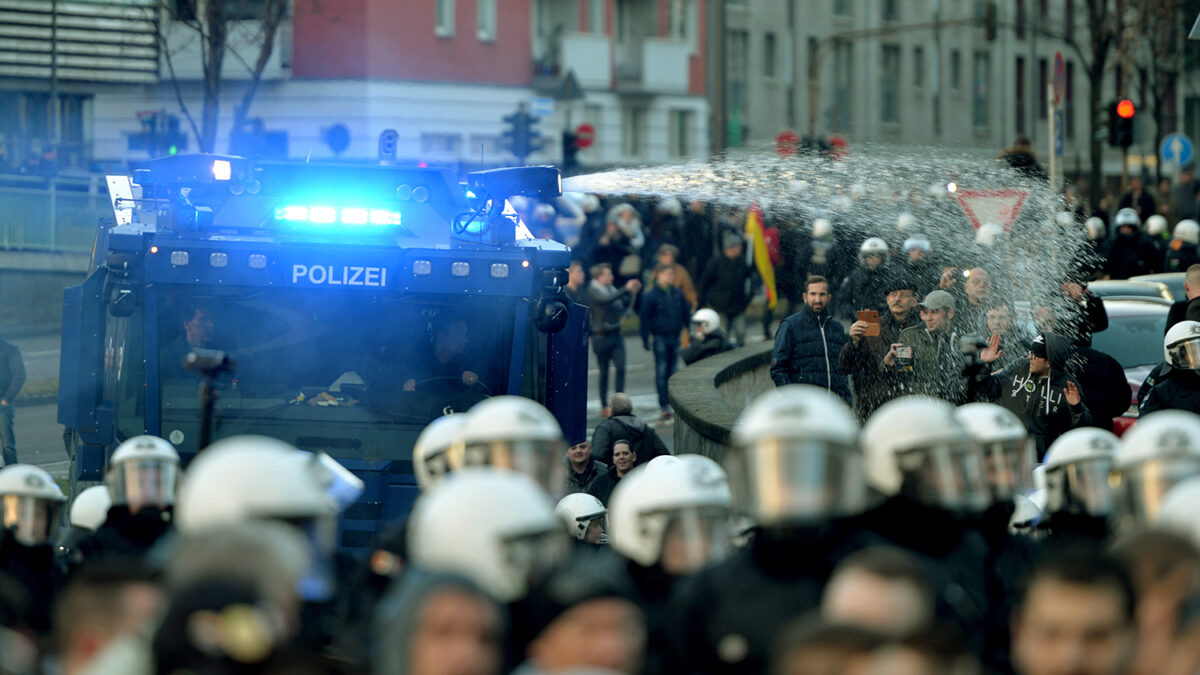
[991,206]
[569,90]
[1060,77]
[541,106]
[585,135]
[1177,148]
[1058,132]
[787,142]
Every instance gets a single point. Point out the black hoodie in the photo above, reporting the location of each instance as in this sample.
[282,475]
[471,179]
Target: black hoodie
[1040,402]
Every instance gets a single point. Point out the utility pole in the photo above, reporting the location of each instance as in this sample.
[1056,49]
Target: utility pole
[716,74]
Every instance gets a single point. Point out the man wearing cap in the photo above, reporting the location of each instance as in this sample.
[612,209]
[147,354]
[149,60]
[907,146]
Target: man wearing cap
[935,365]
[861,356]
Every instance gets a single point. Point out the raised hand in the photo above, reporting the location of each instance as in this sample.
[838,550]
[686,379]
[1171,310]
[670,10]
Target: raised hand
[992,351]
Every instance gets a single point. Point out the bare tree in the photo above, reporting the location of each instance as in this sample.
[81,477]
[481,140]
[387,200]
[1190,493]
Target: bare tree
[211,21]
[1103,30]
[1153,49]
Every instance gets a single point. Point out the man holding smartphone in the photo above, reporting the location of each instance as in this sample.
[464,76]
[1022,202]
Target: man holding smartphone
[926,358]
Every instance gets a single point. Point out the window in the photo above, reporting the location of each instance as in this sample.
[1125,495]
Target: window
[1068,19]
[444,18]
[1041,96]
[889,85]
[635,133]
[485,20]
[841,7]
[1020,19]
[596,16]
[441,144]
[1043,10]
[843,83]
[1019,95]
[981,89]
[684,22]
[955,70]
[891,10]
[737,71]
[918,67]
[769,55]
[1069,100]
[681,133]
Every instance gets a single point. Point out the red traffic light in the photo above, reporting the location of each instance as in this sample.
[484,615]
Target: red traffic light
[1125,109]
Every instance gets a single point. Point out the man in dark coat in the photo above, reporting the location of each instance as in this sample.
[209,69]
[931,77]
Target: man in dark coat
[1103,378]
[1180,310]
[864,287]
[808,342]
[608,304]
[664,316]
[862,355]
[1175,383]
[1138,199]
[1131,253]
[725,286]
[1040,391]
[623,425]
[12,378]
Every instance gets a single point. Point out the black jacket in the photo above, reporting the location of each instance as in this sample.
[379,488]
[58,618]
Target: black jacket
[725,285]
[1102,380]
[37,572]
[1169,388]
[1131,256]
[664,312]
[602,485]
[12,371]
[1180,256]
[1180,310]
[1040,402]
[806,352]
[862,289]
[643,440]
[126,535]
[713,343]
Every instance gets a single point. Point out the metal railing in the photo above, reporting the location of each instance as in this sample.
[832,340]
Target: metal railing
[51,214]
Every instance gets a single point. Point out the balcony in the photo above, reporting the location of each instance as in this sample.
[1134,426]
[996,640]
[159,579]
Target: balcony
[653,66]
[588,54]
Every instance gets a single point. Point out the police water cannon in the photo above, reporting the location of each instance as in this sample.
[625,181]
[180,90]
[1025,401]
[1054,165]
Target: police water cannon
[491,190]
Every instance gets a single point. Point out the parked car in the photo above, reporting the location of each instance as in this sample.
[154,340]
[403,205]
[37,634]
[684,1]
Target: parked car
[1134,338]
[1128,288]
[1173,280]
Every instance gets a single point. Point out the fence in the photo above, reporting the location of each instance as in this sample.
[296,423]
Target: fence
[51,214]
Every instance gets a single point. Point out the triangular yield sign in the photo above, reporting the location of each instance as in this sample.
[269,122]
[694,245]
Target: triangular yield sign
[992,206]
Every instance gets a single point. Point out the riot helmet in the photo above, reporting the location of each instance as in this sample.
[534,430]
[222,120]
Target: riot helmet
[1156,225]
[1188,231]
[1009,454]
[579,512]
[431,452]
[516,433]
[1076,472]
[144,471]
[1095,228]
[30,504]
[873,246]
[1159,452]
[1181,346]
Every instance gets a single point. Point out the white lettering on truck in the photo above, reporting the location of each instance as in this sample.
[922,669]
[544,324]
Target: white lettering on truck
[346,275]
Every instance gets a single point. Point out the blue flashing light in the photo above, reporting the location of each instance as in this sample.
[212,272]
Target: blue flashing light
[222,169]
[354,216]
[322,214]
[291,213]
[384,217]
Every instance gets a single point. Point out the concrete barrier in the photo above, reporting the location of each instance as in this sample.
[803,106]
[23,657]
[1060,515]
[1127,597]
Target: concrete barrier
[31,289]
[708,396]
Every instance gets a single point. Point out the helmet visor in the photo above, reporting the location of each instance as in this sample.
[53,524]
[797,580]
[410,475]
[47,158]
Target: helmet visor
[950,476]
[693,538]
[1009,467]
[540,460]
[531,556]
[32,520]
[1080,487]
[143,482]
[1140,489]
[1185,355]
[780,482]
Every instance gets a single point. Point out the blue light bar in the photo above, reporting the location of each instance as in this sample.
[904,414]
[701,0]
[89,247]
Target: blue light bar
[326,215]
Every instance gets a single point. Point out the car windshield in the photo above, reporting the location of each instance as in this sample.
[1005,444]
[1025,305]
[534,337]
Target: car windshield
[338,372]
[1133,339]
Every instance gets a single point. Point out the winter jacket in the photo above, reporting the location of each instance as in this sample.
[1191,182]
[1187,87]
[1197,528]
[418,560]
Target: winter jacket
[873,384]
[713,343]
[863,289]
[12,371]
[1180,256]
[937,365]
[1144,204]
[664,312]
[643,440]
[1180,310]
[1040,402]
[1025,164]
[1103,380]
[578,482]
[1168,388]
[725,285]
[806,351]
[608,305]
[603,484]
[1131,256]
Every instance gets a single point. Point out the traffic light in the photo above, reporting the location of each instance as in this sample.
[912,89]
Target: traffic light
[521,138]
[1120,123]
[570,149]
[388,138]
[176,138]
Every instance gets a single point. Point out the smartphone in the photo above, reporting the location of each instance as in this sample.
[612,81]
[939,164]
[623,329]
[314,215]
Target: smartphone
[872,317]
[905,352]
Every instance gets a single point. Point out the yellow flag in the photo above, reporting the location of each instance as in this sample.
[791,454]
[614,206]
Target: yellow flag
[762,257]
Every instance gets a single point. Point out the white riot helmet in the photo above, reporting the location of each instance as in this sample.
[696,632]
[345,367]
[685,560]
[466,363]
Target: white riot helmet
[1156,225]
[670,206]
[30,504]
[589,203]
[144,471]
[873,246]
[1179,509]
[89,509]
[915,445]
[513,432]
[917,242]
[244,478]
[988,234]
[431,451]
[495,528]
[578,512]
[1188,231]
[707,319]
[1128,216]
[794,458]
[673,514]
[821,228]
[1181,346]
[1076,472]
[1008,451]
[1026,515]
[1095,228]
[904,221]
[1159,452]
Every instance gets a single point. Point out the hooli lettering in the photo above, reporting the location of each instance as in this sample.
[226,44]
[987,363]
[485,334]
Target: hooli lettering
[346,275]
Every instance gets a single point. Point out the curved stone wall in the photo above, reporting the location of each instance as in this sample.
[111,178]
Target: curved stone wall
[708,395]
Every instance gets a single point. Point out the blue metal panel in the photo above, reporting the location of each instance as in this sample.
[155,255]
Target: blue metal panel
[567,373]
[81,357]
[150,341]
[516,363]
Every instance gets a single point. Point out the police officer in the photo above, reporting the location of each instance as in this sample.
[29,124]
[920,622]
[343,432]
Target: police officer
[1159,452]
[30,505]
[795,470]
[1079,500]
[1175,384]
[515,433]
